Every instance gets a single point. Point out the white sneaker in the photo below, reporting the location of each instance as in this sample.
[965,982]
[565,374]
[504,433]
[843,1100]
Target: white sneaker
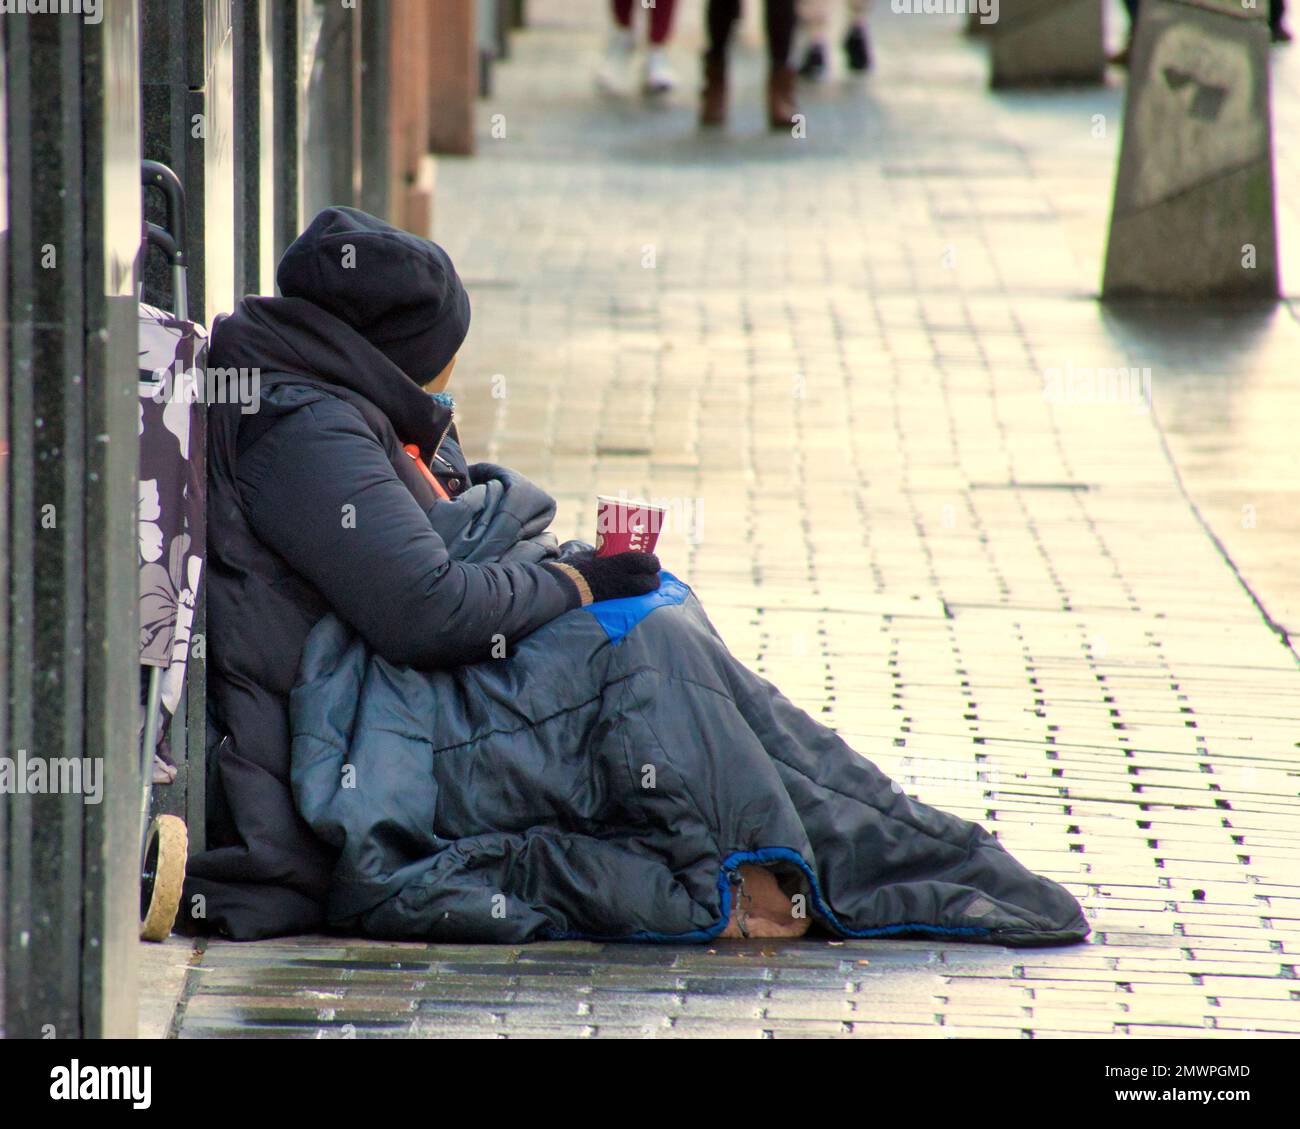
[614,75]
[659,77]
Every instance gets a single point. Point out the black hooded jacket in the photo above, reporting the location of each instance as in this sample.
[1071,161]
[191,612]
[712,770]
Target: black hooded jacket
[314,506]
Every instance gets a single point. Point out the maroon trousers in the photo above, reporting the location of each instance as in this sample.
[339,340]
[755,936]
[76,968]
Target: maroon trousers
[661,17]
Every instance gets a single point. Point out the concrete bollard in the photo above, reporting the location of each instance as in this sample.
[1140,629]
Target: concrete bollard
[1194,214]
[1047,42]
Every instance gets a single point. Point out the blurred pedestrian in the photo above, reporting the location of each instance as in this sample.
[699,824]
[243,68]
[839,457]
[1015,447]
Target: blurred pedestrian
[1276,16]
[616,70]
[779,20]
[814,20]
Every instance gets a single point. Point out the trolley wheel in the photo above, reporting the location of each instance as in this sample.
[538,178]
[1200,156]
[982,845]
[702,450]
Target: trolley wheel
[162,875]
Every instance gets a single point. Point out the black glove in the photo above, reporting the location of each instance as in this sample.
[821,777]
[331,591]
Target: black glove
[608,578]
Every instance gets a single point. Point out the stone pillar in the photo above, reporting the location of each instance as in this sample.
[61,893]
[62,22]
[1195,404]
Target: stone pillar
[254,148]
[188,77]
[375,103]
[453,75]
[1194,214]
[285,26]
[505,22]
[410,104]
[70,238]
[1047,42]
[485,30]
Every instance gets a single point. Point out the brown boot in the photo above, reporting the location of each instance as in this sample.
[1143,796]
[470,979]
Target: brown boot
[760,908]
[781,106]
[713,98]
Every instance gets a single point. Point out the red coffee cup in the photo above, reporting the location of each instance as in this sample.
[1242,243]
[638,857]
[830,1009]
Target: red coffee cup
[626,525]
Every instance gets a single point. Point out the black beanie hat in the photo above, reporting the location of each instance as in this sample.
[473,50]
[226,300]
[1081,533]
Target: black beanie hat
[400,292]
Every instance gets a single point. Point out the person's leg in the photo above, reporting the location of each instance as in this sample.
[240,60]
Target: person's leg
[615,72]
[779,18]
[1276,15]
[661,21]
[761,908]
[857,48]
[720,19]
[659,77]
[814,19]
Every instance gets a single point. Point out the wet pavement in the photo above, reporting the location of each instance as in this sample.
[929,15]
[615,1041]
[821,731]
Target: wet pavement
[843,361]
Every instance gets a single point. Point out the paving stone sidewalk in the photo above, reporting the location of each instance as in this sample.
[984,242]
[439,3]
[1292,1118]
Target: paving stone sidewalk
[832,357]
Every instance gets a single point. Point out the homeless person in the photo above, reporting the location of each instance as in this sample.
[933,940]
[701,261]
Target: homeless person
[429,720]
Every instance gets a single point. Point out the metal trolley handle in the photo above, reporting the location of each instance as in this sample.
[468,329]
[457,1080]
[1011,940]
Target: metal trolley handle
[170,239]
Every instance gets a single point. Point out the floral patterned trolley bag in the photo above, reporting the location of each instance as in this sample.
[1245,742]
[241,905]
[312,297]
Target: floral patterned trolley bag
[173,355]
[171,518]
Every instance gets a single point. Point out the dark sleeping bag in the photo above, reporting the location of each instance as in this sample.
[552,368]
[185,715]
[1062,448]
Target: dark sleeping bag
[605,776]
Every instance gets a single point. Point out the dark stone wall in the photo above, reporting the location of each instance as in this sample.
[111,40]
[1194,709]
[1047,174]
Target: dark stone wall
[5,327]
[70,675]
[231,94]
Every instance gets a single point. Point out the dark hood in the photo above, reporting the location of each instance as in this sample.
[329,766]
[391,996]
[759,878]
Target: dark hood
[296,337]
[398,290]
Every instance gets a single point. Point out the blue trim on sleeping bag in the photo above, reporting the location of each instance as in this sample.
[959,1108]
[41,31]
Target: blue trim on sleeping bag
[618,617]
[761,856]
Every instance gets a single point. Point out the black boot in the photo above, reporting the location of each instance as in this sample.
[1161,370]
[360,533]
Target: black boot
[857,50]
[813,66]
[781,106]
